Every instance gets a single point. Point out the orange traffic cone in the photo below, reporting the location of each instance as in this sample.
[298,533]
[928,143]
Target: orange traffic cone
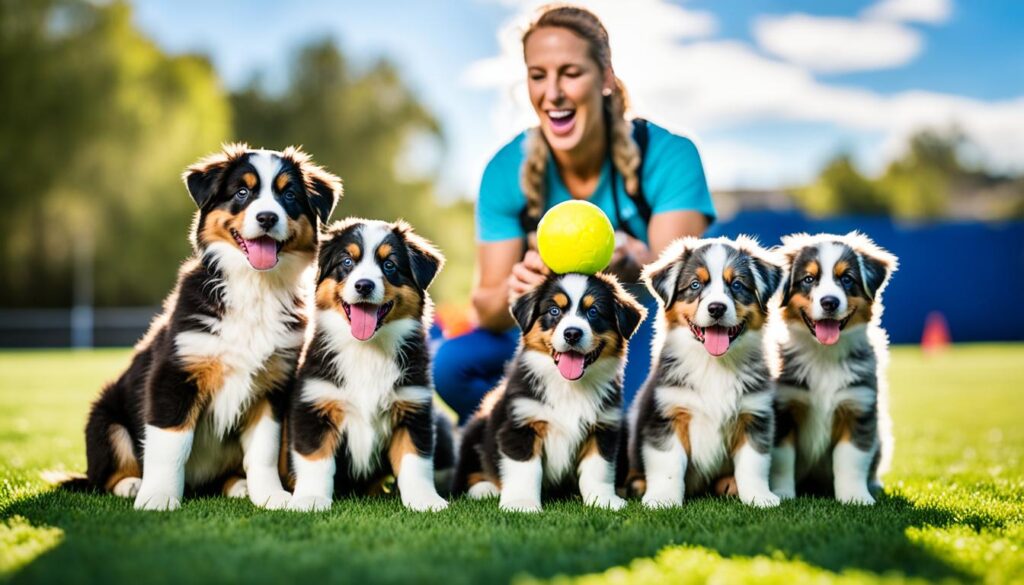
[935,338]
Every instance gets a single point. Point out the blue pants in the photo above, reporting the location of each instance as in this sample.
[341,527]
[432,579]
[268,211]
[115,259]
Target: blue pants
[469,366]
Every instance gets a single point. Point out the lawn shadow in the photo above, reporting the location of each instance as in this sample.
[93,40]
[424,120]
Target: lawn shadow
[376,541]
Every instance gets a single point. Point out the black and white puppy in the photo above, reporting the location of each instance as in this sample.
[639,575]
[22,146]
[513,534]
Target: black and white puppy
[554,421]
[202,401]
[706,410]
[834,430]
[363,409]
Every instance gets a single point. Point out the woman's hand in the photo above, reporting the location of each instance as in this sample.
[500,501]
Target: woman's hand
[526,275]
[628,258]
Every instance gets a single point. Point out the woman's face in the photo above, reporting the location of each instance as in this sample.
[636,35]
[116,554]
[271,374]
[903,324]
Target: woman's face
[565,87]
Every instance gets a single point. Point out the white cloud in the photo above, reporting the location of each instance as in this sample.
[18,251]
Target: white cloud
[835,45]
[710,85]
[927,11]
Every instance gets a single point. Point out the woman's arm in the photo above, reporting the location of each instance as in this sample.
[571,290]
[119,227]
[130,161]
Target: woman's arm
[631,254]
[669,226]
[496,263]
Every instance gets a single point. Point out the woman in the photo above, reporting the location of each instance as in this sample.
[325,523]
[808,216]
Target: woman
[584,148]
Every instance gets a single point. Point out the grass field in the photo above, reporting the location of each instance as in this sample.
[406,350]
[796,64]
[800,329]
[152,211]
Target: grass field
[953,509]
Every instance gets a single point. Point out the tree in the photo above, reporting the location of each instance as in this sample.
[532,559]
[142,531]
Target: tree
[359,122]
[104,124]
[921,182]
[840,188]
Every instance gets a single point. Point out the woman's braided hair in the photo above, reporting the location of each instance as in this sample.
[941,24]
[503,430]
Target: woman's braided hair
[624,151]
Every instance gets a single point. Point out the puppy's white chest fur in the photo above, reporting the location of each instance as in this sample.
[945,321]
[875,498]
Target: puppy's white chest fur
[830,376]
[569,410]
[369,375]
[257,323]
[713,397]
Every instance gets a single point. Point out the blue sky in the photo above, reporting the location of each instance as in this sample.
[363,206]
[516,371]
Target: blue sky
[768,89]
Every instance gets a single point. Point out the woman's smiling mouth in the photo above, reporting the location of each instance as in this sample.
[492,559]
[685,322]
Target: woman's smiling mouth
[562,121]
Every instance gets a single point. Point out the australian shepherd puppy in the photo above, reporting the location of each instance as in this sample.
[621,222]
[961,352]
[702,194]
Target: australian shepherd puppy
[833,423]
[554,420]
[202,400]
[706,410]
[363,406]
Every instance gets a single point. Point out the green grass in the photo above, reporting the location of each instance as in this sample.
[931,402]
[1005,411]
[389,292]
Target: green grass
[953,509]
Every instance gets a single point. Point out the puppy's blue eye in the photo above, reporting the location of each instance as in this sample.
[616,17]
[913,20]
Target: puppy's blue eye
[348,263]
[241,194]
[289,195]
[846,279]
[389,266]
[695,285]
[554,311]
[736,286]
[808,279]
[592,312]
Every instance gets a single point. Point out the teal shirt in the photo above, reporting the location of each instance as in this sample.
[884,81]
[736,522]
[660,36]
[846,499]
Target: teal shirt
[673,180]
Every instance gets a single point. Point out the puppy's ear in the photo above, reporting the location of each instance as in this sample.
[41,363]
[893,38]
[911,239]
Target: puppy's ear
[876,264]
[788,252]
[524,309]
[323,189]
[203,178]
[767,269]
[662,275]
[629,314]
[770,273]
[424,259]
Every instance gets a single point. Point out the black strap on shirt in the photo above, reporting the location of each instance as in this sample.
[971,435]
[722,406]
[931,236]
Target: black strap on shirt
[641,137]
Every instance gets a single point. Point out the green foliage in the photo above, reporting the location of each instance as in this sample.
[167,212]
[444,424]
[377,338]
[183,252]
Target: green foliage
[842,189]
[953,509]
[361,124]
[105,122]
[920,184]
[930,180]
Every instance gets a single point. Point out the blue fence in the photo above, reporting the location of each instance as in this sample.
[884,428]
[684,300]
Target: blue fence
[971,272]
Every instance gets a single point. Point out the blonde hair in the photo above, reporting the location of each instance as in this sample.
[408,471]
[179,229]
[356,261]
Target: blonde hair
[625,153]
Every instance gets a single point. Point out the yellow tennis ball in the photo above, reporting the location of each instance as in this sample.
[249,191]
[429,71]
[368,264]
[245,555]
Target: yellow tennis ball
[575,236]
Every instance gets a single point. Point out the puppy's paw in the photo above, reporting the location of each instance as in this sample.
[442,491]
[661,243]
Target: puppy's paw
[521,505]
[309,504]
[483,489]
[656,501]
[157,502]
[277,500]
[857,497]
[127,487]
[425,502]
[764,499]
[239,489]
[607,501]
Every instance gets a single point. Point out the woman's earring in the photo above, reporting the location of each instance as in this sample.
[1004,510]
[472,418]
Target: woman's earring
[606,91]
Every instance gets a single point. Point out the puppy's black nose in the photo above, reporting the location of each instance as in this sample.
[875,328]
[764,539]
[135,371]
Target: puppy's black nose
[573,335]
[364,286]
[716,310]
[266,219]
[830,304]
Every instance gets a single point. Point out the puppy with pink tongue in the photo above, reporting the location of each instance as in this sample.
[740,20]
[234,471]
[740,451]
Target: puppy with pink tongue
[552,425]
[706,410]
[833,434]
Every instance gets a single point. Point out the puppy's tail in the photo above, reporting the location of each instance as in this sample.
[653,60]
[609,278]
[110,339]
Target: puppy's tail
[68,481]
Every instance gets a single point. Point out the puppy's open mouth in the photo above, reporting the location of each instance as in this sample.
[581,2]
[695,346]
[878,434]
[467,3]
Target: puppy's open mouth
[826,330]
[572,364]
[366,318]
[716,339]
[261,252]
